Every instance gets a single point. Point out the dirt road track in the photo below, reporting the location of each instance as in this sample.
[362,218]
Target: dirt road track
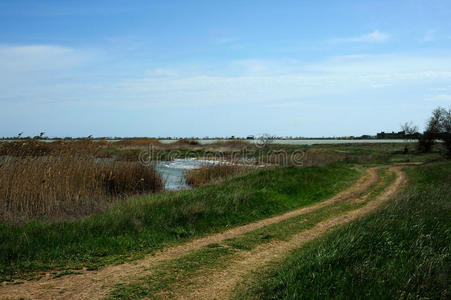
[96,284]
[219,285]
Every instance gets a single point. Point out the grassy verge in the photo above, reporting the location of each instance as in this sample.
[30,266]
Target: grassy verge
[148,223]
[402,251]
[177,274]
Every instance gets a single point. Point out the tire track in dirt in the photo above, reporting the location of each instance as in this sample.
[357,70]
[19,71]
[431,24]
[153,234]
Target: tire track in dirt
[96,284]
[220,284]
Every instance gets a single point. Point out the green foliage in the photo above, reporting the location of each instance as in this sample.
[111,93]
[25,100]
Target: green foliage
[438,128]
[181,273]
[152,222]
[402,251]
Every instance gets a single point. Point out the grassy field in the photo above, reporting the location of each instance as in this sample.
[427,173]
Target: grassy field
[69,205]
[402,251]
[147,223]
[181,273]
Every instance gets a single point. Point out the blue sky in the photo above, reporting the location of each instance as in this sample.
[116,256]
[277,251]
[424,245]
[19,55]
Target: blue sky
[221,68]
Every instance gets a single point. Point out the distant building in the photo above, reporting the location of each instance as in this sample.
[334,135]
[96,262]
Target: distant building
[392,135]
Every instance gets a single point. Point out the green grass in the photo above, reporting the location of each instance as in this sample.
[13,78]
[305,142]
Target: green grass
[401,251]
[145,224]
[179,273]
[169,276]
[285,229]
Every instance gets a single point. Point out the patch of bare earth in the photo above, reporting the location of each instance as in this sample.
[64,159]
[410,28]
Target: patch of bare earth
[97,284]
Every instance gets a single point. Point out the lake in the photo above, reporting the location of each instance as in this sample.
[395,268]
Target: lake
[304,142]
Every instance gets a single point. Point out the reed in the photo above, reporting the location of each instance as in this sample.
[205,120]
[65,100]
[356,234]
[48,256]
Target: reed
[34,148]
[232,144]
[186,142]
[214,173]
[137,142]
[67,186]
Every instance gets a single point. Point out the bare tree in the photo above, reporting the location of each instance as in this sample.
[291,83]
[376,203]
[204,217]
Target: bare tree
[410,131]
[264,140]
[409,128]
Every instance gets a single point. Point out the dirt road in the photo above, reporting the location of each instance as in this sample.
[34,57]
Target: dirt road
[215,285]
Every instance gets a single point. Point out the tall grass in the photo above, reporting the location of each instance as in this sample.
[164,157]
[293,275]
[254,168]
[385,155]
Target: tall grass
[137,142]
[214,173]
[33,148]
[401,252]
[186,142]
[272,157]
[151,222]
[67,186]
[232,143]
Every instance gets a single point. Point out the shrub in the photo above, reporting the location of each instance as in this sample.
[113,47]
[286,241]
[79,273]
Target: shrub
[438,127]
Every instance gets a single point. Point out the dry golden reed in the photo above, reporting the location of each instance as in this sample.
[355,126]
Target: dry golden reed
[68,184]
[214,173]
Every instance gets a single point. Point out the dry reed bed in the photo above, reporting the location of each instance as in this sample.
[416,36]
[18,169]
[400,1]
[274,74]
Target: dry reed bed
[214,173]
[68,186]
[31,147]
[137,142]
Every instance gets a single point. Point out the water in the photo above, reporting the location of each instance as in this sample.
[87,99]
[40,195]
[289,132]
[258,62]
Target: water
[172,172]
[281,142]
[306,142]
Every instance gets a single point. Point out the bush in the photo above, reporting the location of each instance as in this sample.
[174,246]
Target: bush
[438,127]
[425,142]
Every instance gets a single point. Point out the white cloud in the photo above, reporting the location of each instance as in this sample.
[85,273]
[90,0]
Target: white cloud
[373,37]
[253,82]
[386,65]
[44,72]
[38,57]
[270,82]
[439,98]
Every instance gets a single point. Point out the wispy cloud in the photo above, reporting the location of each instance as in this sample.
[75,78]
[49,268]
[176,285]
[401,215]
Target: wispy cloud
[55,78]
[38,57]
[439,98]
[44,72]
[255,83]
[373,37]
[272,82]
